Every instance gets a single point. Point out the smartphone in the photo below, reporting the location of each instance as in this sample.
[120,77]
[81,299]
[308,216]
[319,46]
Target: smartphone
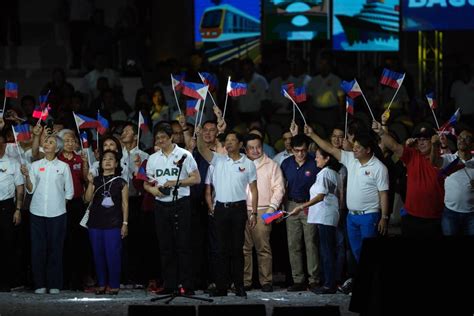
[49,126]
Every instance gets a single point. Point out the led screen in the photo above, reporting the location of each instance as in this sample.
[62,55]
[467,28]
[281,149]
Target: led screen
[296,20]
[366,25]
[429,15]
[228,29]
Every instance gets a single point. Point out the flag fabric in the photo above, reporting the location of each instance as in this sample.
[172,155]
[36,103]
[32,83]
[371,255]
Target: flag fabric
[22,132]
[451,168]
[41,113]
[83,121]
[141,173]
[192,107]
[300,94]
[452,121]
[176,81]
[349,105]
[141,122]
[391,78]
[43,99]
[11,90]
[351,88]
[194,90]
[270,217]
[102,124]
[289,88]
[235,89]
[84,140]
[209,79]
[431,100]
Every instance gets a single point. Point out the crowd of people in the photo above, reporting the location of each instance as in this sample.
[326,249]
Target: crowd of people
[179,207]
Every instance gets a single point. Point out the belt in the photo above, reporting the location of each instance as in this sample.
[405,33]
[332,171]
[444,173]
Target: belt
[362,212]
[297,200]
[232,204]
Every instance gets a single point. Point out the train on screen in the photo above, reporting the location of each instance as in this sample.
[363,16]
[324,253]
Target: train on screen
[224,23]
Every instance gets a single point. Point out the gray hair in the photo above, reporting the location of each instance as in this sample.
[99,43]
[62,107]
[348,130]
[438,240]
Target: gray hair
[59,142]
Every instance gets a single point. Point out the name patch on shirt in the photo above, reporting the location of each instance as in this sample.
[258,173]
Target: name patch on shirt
[167,172]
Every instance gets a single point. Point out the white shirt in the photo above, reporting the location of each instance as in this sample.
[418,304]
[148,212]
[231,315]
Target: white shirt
[52,186]
[325,212]
[325,91]
[458,195]
[281,156]
[10,177]
[364,182]
[12,152]
[132,168]
[163,168]
[256,93]
[208,181]
[230,178]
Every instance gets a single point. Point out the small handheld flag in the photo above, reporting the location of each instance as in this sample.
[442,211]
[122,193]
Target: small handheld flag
[270,217]
[351,88]
[11,90]
[176,81]
[83,121]
[84,140]
[431,100]
[452,121]
[194,90]
[192,107]
[41,113]
[451,168]
[209,79]
[102,124]
[141,174]
[289,88]
[391,78]
[349,105]
[22,132]
[235,89]
[300,94]
[141,122]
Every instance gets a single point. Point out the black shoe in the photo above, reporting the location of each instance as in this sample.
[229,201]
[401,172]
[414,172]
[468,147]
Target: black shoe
[216,293]
[247,287]
[297,287]
[267,288]
[323,290]
[313,286]
[240,291]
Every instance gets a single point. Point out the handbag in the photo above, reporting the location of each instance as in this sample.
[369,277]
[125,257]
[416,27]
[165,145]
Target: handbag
[85,218]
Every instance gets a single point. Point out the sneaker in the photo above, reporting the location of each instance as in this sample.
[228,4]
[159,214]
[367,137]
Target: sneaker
[41,290]
[267,288]
[297,287]
[346,288]
[54,291]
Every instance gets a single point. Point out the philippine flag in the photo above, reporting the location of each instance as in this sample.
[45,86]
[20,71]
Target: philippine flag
[351,88]
[84,140]
[43,99]
[141,174]
[452,121]
[431,100]
[350,106]
[83,121]
[176,81]
[289,88]
[300,94]
[11,90]
[391,78]
[22,132]
[194,90]
[41,113]
[270,217]
[192,107]
[141,123]
[102,124]
[209,79]
[235,89]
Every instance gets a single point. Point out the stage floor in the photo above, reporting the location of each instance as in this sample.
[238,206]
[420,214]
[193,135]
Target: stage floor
[79,303]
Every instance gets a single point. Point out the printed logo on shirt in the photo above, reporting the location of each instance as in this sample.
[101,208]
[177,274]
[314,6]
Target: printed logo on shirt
[241,169]
[42,169]
[367,172]
[3,170]
[167,172]
[307,173]
[76,166]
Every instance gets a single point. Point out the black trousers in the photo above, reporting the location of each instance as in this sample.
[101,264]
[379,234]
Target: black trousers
[418,227]
[230,224]
[173,226]
[7,239]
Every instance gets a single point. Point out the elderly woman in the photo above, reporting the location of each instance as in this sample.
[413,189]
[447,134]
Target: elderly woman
[50,182]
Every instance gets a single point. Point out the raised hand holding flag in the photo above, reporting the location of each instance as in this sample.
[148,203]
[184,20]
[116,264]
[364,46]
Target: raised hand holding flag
[433,105]
[353,90]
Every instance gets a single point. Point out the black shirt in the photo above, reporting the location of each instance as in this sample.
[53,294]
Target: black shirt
[101,217]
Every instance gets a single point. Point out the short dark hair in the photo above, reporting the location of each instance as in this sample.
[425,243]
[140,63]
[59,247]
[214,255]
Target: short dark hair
[250,137]
[237,135]
[118,169]
[210,122]
[299,140]
[132,125]
[332,162]
[164,127]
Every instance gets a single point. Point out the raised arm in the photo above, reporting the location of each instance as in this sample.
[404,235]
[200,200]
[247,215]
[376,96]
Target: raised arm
[205,152]
[387,140]
[323,144]
[435,156]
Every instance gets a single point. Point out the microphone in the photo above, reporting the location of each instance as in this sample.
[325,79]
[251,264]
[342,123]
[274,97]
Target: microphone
[180,162]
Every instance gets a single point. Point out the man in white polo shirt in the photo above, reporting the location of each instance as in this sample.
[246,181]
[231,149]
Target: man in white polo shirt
[232,174]
[173,212]
[367,188]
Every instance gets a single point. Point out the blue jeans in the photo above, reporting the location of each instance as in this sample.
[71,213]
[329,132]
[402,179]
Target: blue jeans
[47,242]
[360,227]
[456,223]
[107,249]
[327,248]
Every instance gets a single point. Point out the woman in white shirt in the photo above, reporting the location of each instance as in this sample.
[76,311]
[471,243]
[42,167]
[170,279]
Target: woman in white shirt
[50,182]
[324,212]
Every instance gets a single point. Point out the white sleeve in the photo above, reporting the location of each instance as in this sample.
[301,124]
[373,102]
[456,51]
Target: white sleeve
[17,176]
[31,172]
[68,185]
